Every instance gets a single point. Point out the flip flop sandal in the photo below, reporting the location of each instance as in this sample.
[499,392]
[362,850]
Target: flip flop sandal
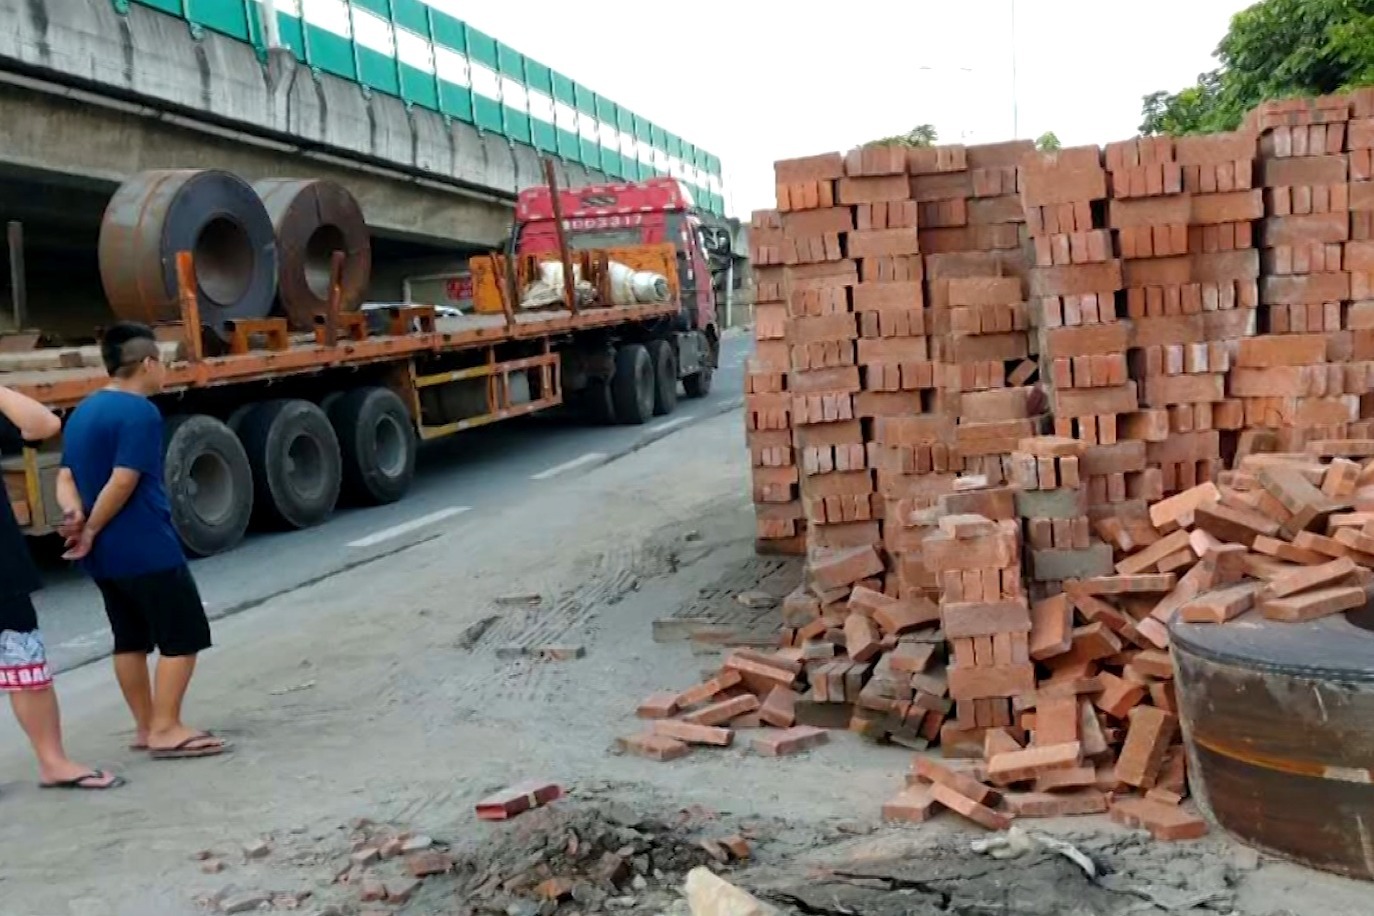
[81,782]
[185,751]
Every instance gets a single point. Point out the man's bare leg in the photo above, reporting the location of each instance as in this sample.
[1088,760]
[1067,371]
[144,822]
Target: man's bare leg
[131,670]
[166,728]
[41,720]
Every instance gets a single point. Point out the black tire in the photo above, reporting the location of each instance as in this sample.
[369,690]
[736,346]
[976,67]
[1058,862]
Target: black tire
[698,384]
[297,468]
[664,358]
[377,445]
[632,386]
[594,403]
[209,484]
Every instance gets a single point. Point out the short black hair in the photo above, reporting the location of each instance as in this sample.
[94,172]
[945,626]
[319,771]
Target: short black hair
[126,344]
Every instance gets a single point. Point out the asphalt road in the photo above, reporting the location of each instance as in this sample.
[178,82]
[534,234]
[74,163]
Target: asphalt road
[458,481]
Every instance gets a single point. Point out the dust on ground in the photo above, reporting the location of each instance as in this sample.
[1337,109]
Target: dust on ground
[380,694]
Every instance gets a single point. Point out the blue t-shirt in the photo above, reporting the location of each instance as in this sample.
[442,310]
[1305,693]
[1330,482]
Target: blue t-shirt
[114,429]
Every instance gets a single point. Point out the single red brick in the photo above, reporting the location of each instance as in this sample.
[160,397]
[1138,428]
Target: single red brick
[1018,766]
[688,733]
[792,740]
[912,805]
[779,708]
[1147,741]
[654,747]
[1059,804]
[661,705]
[979,814]
[1164,821]
[724,711]
[933,772]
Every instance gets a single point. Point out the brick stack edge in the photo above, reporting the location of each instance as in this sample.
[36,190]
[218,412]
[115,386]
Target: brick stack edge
[1017,410]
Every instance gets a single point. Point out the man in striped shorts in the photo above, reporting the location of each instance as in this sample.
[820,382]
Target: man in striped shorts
[24,672]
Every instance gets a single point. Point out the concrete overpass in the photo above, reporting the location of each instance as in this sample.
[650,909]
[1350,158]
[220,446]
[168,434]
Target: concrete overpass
[434,141]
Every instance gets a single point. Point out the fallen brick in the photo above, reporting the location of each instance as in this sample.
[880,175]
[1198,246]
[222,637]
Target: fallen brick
[724,711]
[913,805]
[517,799]
[967,807]
[1058,804]
[779,708]
[653,747]
[1312,605]
[1147,741]
[688,733]
[1163,821]
[936,773]
[1022,765]
[792,740]
[661,705]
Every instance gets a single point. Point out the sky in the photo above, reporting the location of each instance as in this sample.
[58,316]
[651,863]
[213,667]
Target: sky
[758,80]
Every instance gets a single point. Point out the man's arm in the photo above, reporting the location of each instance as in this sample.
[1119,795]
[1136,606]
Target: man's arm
[34,421]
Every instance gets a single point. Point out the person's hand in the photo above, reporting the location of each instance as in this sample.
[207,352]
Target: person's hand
[79,546]
[73,520]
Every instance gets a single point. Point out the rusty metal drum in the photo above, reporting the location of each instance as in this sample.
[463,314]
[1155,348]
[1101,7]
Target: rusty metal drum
[313,219]
[1278,720]
[213,214]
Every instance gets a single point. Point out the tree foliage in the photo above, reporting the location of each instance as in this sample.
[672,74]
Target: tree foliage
[1048,142]
[1274,49]
[920,135]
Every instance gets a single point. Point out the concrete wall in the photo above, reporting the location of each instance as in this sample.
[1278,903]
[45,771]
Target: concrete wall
[162,98]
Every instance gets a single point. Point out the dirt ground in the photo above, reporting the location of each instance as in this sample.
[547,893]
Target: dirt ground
[379,694]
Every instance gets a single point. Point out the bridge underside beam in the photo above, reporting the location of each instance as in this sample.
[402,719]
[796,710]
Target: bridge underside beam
[96,147]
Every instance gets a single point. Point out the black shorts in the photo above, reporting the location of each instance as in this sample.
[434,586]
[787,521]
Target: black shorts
[160,610]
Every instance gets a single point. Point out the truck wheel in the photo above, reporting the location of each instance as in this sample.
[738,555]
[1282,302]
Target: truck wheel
[632,386]
[594,404]
[665,376]
[377,444]
[209,484]
[297,469]
[698,384]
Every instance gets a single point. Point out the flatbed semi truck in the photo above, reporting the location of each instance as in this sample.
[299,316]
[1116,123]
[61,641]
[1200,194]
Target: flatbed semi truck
[277,427]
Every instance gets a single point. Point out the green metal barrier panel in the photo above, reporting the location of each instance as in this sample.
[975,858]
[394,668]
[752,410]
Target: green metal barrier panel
[413,50]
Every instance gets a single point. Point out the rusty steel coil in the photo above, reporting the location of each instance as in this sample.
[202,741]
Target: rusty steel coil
[213,214]
[1277,722]
[313,219]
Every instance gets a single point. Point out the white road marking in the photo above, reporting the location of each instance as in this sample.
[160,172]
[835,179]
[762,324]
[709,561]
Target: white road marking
[568,465]
[669,424]
[395,531]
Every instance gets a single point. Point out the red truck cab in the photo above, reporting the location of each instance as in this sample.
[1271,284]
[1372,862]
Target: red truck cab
[653,211]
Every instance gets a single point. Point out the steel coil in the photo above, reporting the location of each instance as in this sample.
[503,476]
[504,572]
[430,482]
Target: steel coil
[213,214]
[313,219]
[1276,719]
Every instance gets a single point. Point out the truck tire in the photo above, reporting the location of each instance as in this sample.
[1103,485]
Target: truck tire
[376,443]
[665,376]
[698,384]
[297,468]
[595,402]
[209,483]
[632,386]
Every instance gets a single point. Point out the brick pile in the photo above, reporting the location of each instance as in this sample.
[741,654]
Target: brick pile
[1183,211]
[1168,308]
[768,423]
[1297,380]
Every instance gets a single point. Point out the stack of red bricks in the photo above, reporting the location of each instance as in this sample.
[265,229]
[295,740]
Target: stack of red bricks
[1194,304]
[971,231]
[1184,213]
[1298,381]
[767,415]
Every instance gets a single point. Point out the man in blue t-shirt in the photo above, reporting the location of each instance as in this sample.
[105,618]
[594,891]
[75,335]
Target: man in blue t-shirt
[24,671]
[119,525]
